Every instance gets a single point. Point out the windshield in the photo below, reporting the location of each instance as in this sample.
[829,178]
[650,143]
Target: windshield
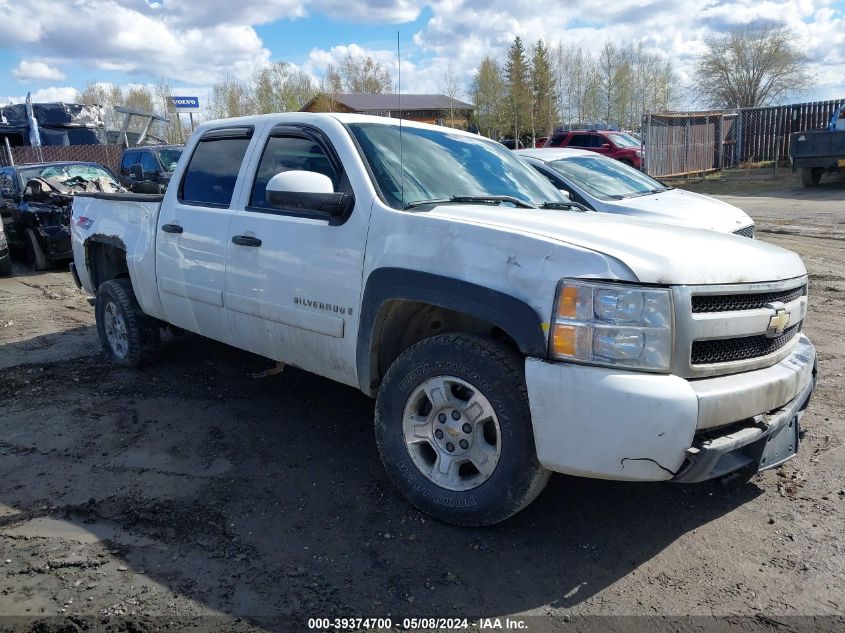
[625,140]
[606,178]
[64,173]
[168,158]
[440,165]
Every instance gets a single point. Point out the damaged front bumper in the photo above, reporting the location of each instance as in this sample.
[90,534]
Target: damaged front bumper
[611,424]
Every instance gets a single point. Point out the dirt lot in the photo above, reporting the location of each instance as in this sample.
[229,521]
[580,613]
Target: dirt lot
[192,493]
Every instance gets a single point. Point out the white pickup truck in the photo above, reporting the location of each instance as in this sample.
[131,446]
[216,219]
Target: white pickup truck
[504,333]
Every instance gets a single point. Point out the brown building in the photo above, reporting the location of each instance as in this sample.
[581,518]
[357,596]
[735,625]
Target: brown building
[436,109]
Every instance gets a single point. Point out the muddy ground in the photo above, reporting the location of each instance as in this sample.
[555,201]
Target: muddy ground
[191,493]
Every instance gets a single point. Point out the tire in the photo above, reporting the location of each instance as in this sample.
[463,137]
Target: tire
[483,381]
[34,253]
[128,336]
[811,176]
[6,265]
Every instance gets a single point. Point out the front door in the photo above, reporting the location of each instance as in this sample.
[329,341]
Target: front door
[193,231]
[293,279]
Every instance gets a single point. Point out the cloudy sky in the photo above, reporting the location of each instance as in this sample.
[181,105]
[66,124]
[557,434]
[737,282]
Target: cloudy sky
[52,47]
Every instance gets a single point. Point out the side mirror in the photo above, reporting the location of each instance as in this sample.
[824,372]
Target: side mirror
[565,194]
[136,172]
[307,191]
[605,146]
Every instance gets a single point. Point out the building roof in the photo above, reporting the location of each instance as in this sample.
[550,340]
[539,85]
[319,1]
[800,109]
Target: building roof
[410,102]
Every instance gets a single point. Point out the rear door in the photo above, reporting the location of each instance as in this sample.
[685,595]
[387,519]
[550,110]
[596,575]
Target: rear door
[193,230]
[293,278]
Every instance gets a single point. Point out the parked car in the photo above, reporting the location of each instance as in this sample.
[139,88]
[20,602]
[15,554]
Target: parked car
[35,206]
[503,334]
[618,145]
[148,169]
[607,185]
[541,142]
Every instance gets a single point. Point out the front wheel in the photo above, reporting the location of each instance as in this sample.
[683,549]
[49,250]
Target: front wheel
[128,336]
[453,429]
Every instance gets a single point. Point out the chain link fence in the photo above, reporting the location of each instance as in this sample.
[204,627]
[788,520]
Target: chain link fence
[684,143]
[106,155]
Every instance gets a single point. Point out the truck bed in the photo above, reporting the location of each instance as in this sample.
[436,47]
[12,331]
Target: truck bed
[817,148]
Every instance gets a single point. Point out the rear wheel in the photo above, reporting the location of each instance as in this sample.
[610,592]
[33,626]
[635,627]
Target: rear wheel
[811,176]
[454,431]
[34,253]
[129,336]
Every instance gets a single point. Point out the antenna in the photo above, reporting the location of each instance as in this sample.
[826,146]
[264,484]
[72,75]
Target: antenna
[399,90]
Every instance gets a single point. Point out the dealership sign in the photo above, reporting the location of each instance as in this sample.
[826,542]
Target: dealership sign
[184,104]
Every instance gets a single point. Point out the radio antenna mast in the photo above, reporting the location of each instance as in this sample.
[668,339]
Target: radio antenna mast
[399,90]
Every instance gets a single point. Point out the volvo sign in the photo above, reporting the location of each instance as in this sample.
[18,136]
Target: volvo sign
[184,104]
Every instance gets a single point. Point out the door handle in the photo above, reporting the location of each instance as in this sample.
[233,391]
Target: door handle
[171,228]
[246,240]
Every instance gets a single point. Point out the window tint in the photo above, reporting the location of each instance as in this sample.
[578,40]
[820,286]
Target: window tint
[580,140]
[557,140]
[129,159]
[213,171]
[148,163]
[597,141]
[286,153]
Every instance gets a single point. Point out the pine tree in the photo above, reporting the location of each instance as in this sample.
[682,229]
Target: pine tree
[542,85]
[519,87]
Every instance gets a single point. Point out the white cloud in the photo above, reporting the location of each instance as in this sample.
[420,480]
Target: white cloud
[65,94]
[36,71]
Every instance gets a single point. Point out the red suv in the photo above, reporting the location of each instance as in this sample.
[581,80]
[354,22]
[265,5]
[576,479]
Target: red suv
[618,145]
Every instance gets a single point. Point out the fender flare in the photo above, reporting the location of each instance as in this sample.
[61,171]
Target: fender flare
[513,316]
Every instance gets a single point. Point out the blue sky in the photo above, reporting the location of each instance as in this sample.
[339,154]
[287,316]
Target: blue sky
[52,47]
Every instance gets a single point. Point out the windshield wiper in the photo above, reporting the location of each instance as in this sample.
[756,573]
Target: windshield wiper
[482,199]
[564,205]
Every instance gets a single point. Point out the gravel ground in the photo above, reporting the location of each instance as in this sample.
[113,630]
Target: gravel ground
[192,493]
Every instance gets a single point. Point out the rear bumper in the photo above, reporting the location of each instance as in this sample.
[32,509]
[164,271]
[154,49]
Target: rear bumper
[611,424]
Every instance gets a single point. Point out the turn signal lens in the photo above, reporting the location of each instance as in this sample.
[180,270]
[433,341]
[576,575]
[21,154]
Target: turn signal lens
[567,306]
[563,340]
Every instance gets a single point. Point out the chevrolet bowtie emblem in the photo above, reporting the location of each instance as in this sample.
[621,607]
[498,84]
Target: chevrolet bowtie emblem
[778,321]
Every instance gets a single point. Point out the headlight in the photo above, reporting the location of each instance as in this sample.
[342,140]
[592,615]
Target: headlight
[612,324]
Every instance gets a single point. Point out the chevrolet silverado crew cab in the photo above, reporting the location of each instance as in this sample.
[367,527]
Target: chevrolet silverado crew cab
[504,333]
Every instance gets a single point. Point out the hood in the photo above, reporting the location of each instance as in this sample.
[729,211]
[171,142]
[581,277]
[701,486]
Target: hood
[656,253]
[683,208]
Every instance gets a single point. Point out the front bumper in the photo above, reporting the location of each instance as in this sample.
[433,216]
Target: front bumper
[612,424]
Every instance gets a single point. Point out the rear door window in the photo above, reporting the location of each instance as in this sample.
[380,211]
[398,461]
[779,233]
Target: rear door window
[213,170]
[597,141]
[580,140]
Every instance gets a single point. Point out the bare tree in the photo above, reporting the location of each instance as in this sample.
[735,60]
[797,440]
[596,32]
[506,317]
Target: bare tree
[750,67]
[362,75]
[451,87]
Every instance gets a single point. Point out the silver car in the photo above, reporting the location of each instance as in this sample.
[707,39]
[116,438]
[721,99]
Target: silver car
[609,186]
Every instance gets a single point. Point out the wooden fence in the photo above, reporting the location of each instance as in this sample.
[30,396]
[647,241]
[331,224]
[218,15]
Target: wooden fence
[681,143]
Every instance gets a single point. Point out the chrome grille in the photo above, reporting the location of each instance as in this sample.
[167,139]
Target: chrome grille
[733,349]
[729,303]
[748,231]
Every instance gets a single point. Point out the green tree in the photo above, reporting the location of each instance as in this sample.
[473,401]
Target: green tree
[281,88]
[518,87]
[544,105]
[489,95]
